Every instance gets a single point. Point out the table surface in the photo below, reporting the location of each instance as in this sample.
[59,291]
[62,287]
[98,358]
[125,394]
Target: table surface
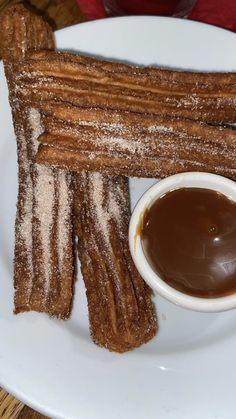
[61,13]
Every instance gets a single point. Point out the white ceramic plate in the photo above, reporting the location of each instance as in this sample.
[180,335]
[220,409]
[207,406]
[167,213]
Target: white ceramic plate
[189,369]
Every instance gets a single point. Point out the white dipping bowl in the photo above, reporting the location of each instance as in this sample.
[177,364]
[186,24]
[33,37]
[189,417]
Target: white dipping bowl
[182,180]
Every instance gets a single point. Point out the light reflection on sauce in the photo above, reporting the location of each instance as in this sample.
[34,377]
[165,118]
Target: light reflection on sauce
[189,238]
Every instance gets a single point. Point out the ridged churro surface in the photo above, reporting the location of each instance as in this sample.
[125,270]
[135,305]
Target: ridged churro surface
[111,117]
[43,259]
[132,144]
[207,96]
[121,312]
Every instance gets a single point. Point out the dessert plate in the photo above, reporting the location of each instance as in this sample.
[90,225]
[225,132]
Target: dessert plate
[189,369]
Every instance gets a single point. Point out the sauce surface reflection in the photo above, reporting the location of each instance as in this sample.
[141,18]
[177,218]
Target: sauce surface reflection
[189,238]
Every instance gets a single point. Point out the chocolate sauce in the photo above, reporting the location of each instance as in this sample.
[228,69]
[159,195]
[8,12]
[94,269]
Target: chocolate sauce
[189,238]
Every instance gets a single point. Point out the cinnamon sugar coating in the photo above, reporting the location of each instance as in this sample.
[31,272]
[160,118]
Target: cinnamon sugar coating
[131,144]
[43,256]
[99,115]
[87,81]
[121,312]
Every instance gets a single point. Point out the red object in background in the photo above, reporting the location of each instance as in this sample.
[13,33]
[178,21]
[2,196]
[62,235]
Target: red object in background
[216,12]
[141,7]
[93,9]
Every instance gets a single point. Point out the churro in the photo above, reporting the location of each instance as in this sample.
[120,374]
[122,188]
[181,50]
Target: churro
[125,143]
[121,312]
[43,257]
[86,81]
[103,130]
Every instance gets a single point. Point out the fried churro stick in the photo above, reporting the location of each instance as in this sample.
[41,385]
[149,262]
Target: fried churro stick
[108,138]
[108,164]
[121,313]
[144,137]
[43,260]
[86,81]
[132,144]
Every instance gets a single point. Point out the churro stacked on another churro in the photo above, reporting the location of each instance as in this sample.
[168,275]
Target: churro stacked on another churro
[131,121]
[132,144]
[209,97]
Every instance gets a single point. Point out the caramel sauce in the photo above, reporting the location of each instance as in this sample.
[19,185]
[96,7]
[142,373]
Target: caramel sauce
[189,237]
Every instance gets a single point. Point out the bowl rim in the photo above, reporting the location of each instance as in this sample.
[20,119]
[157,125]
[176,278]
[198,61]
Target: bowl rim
[180,180]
